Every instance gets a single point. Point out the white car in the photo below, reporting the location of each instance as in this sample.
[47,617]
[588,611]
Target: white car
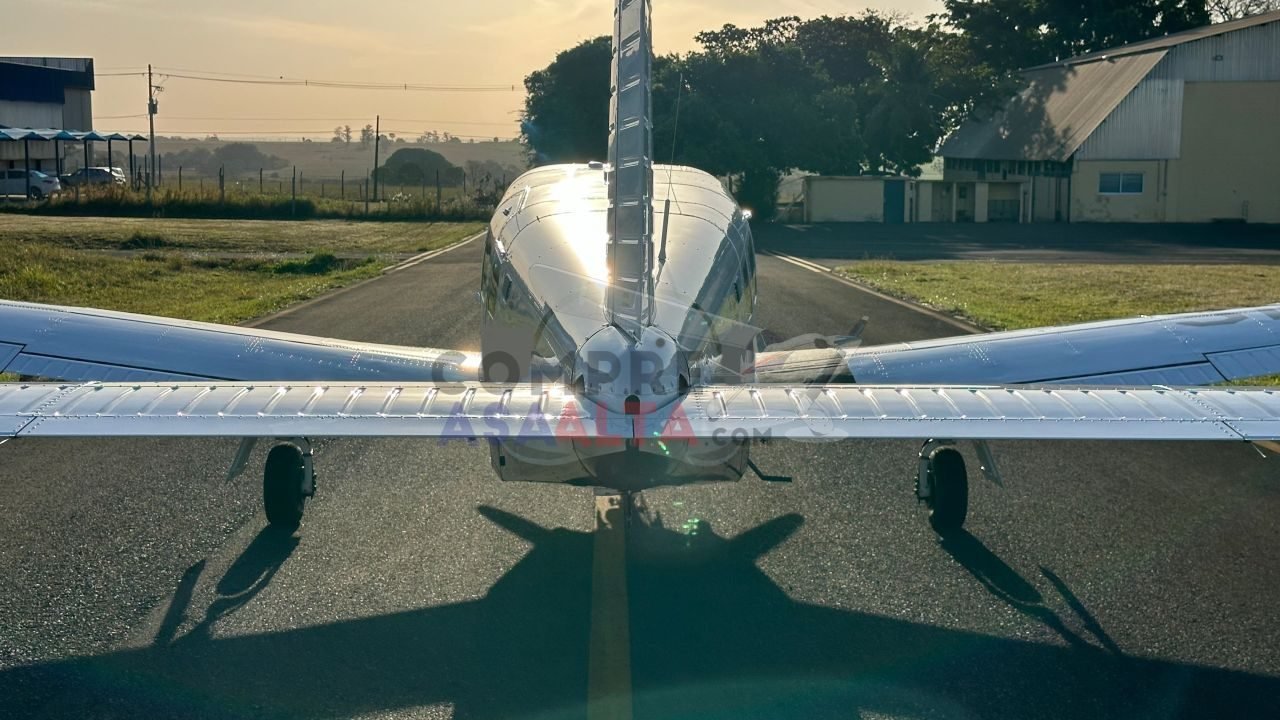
[14,182]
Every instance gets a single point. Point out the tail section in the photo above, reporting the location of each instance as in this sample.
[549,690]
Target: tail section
[630,175]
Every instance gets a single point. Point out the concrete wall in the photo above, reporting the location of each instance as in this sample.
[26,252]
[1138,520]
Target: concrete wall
[1089,205]
[77,110]
[981,200]
[1230,164]
[841,199]
[922,192]
[943,202]
[1050,201]
[30,114]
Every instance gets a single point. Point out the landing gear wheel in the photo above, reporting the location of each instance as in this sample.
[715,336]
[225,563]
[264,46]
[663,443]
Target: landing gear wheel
[948,498]
[283,487]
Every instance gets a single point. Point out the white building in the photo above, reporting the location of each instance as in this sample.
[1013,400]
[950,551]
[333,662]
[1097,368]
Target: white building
[1181,128]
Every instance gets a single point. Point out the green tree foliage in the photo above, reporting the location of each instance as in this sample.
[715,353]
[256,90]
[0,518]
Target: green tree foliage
[846,95]
[236,158]
[1235,9]
[415,166]
[1013,34]
[566,115]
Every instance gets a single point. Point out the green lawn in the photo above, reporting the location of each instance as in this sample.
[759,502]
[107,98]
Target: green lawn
[211,270]
[340,237]
[1010,296]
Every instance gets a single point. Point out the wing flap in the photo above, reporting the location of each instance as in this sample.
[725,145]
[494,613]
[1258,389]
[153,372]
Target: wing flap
[1252,362]
[716,413]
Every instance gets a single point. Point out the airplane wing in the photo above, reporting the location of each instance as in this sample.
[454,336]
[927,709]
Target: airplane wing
[530,412]
[70,343]
[1188,349]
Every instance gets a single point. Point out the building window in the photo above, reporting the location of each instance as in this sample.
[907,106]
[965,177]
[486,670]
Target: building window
[1120,184]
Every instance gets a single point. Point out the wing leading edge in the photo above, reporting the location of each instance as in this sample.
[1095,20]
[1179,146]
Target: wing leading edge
[1186,349]
[484,410]
[83,344]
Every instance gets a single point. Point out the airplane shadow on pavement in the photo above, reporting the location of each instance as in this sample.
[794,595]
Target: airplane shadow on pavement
[712,636]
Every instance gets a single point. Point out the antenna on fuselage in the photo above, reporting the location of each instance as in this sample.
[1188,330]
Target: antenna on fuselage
[666,206]
[630,174]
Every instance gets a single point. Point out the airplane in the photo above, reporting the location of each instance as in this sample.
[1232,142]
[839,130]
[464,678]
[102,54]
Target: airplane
[618,352]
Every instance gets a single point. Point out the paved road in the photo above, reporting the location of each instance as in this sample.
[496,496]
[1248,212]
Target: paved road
[837,244]
[1133,580]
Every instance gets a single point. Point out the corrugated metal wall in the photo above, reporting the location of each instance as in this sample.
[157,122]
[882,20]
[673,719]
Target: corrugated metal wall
[1249,55]
[1147,125]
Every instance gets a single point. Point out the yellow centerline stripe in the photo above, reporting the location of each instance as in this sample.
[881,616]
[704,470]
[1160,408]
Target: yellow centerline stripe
[609,656]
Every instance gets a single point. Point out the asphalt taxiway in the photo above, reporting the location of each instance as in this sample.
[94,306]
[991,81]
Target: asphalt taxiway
[1103,580]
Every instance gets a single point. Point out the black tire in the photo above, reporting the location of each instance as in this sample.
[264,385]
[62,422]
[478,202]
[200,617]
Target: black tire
[948,490]
[35,194]
[282,496]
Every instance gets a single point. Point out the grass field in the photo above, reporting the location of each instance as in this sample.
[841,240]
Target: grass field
[340,237]
[1008,296]
[210,270]
[237,204]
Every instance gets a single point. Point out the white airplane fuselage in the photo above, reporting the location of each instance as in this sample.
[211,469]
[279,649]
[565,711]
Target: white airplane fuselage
[544,282]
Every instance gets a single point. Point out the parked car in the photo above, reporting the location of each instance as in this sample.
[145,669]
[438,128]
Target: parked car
[14,182]
[95,176]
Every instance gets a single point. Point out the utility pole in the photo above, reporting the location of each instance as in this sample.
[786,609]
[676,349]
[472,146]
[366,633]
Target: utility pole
[151,119]
[377,136]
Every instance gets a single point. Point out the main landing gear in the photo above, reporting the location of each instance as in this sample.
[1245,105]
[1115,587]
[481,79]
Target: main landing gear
[942,483]
[287,481]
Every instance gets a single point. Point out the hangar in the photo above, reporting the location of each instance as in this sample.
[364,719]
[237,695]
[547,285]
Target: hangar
[44,92]
[1181,128]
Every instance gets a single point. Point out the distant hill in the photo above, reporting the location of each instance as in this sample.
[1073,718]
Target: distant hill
[317,159]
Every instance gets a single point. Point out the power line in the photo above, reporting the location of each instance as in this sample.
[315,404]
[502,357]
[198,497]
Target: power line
[218,72]
[344,85]
[282,80]
[313,131]
[506,123]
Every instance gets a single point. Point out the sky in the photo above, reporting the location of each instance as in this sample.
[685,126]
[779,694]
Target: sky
[493,44]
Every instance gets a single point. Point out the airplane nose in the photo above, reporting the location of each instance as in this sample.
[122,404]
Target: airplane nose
[631,376]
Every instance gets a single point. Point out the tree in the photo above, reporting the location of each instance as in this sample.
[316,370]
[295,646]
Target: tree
[847,95]
[366,135]
[415,166]
[1234,9]
[1015,34]
[346,134]
[235,158]
[566,112]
